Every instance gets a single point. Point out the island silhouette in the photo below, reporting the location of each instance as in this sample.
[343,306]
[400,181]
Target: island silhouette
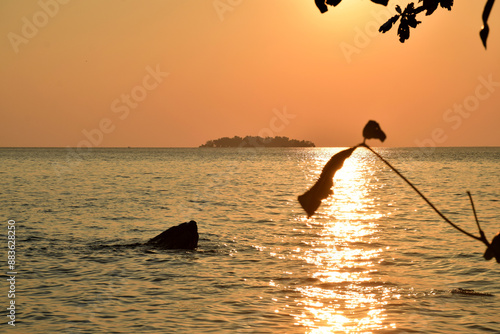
[257,141]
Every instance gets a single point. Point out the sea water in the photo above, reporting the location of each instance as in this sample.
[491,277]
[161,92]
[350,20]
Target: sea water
[375,258]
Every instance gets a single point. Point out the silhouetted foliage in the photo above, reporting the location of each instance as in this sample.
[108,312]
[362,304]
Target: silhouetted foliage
[311,199]
[257,141]
[432,5]
[388,25]
[408,19]
[485,30]
[321,5]
[493,250]
[408,16]
[372,130]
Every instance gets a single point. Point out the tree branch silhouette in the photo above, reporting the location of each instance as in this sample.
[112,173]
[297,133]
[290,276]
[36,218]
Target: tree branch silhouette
[311,199]
[408,16]
[492,249]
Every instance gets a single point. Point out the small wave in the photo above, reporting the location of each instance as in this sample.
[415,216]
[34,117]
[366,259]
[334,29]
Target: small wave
[120,218]
[201,201]
[470,292]
[97,227]
[32,238]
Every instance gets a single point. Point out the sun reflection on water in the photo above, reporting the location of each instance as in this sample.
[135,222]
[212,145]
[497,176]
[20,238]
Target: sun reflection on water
[345,296]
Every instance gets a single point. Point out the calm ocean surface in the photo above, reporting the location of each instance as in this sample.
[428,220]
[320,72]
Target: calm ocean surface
[374,259]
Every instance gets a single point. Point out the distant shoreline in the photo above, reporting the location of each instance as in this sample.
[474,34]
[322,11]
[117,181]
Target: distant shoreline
[196,147]
[257,141]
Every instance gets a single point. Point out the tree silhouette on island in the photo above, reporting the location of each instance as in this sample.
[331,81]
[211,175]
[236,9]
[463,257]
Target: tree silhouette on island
[257,141]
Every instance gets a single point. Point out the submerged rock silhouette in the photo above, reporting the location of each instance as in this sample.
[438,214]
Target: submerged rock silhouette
[182,236]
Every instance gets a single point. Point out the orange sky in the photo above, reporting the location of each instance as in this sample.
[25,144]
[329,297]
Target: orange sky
[168,73]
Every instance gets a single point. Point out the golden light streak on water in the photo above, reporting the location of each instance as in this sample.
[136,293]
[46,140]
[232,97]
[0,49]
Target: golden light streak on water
[343,298]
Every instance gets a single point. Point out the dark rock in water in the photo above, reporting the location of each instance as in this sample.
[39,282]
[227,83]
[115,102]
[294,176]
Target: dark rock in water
[182,236]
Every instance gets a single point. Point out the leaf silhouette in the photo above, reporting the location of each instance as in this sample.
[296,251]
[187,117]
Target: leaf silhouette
[321,5]
[408,19]
[311,199]
[372,130]
[483,33]
[403,31]
[446,4]
[408,16]
[381,2]
[388,25]
[412,21]
[333,2]
[493,251]
[432,5]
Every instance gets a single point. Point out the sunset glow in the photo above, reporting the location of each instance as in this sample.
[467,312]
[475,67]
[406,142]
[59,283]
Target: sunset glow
[179,73]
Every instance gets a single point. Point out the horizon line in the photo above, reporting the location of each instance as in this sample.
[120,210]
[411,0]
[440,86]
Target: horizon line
[246,147]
